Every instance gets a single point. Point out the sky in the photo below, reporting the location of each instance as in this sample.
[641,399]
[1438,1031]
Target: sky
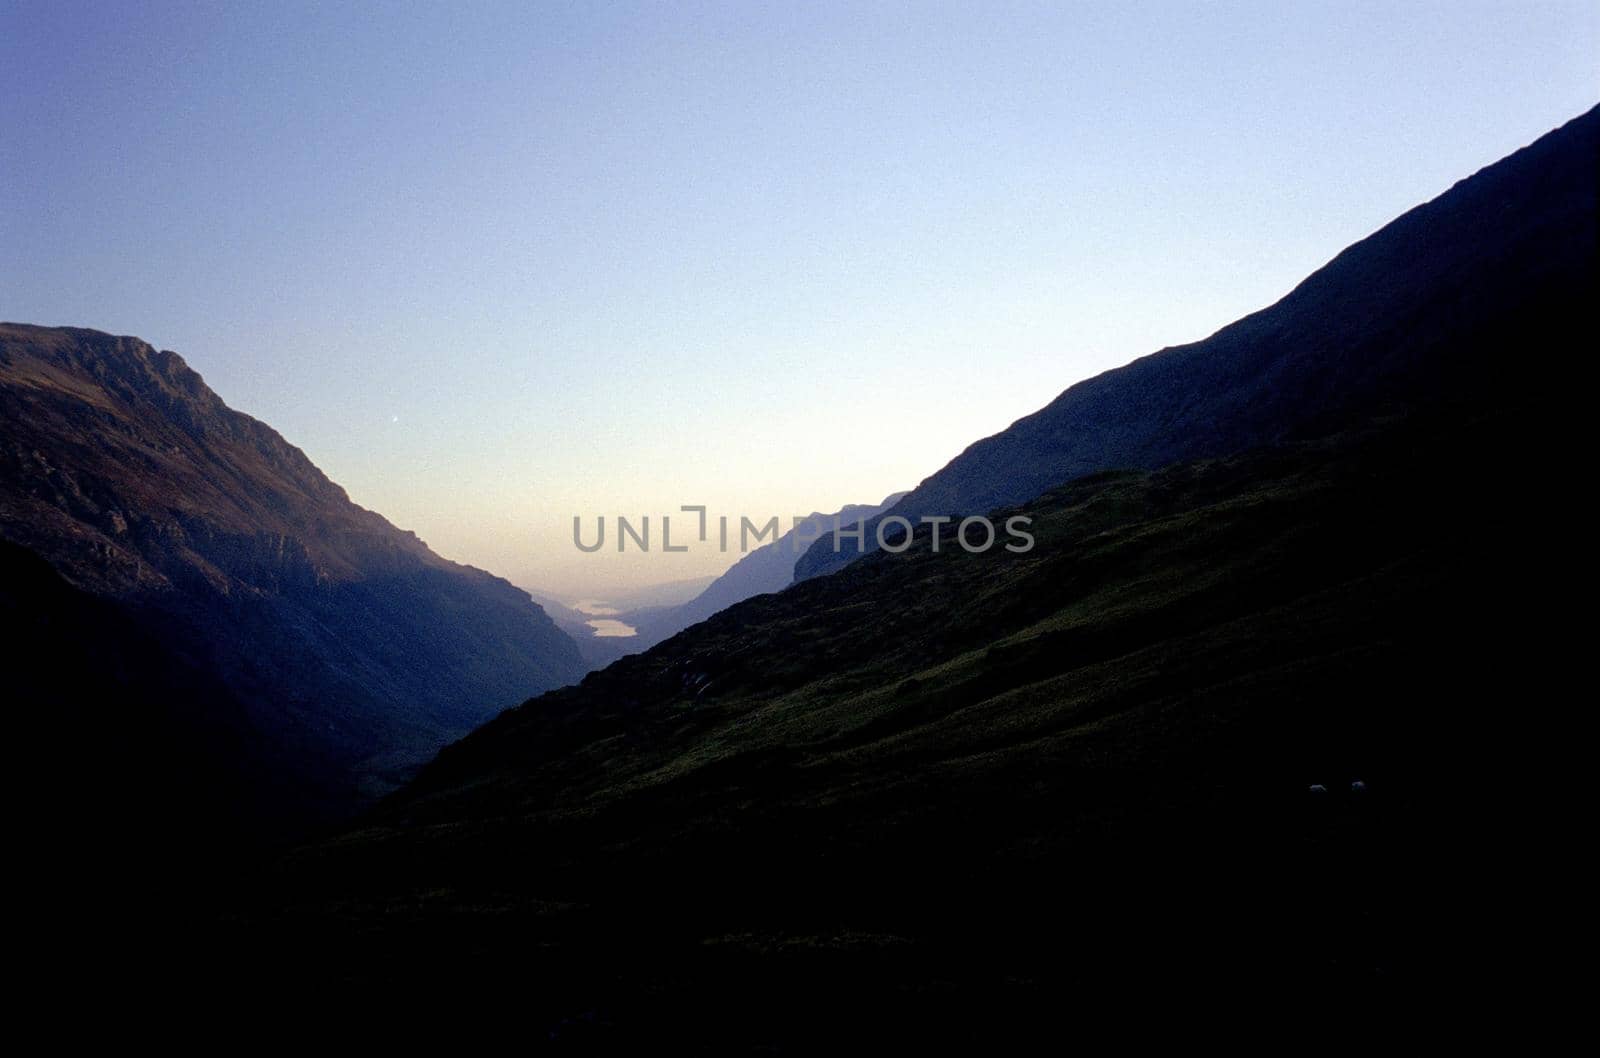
[493,266]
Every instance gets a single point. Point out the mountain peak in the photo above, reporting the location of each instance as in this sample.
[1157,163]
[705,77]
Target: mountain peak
[345,635]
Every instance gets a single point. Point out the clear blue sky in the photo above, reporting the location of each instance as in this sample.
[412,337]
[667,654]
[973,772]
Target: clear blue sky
[496,265]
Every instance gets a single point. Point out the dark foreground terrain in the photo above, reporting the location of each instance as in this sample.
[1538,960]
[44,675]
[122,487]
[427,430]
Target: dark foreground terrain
[953,797]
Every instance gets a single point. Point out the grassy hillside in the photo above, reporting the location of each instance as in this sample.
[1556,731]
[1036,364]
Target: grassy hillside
[965,790]
[1433,301]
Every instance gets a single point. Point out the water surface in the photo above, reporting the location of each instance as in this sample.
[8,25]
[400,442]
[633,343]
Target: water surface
[608,628]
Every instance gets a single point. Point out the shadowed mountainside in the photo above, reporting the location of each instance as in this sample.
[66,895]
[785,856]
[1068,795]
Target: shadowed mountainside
[1388,323]
[1236,730]
[933,796]
[355,649]
[98,698]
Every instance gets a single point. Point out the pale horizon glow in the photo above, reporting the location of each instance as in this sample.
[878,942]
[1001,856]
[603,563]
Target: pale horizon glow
[493,266]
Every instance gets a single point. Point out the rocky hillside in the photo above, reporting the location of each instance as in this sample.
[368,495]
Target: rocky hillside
[356,650]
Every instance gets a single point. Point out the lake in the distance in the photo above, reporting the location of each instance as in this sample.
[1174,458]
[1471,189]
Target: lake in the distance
[610,628]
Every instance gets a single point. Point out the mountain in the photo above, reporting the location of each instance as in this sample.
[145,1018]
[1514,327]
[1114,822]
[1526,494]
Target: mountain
[355,650]
[1392,321]
[933,796]
[1249,732]
[654,596]
[597,651]
[766,569]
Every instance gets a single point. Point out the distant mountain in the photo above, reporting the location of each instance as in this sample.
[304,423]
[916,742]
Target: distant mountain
[565,617]
[597,651]
[1394,320]
[767,569]
[355,650]
[668,593]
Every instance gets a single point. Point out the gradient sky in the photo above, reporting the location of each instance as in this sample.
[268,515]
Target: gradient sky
[492,266]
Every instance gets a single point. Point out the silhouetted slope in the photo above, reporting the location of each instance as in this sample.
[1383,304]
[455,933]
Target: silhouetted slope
[354,646]
[1391,321]
[123,743]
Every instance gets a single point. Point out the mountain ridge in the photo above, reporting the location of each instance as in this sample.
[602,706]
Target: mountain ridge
[137,373]
[355,646]
[1325,350]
